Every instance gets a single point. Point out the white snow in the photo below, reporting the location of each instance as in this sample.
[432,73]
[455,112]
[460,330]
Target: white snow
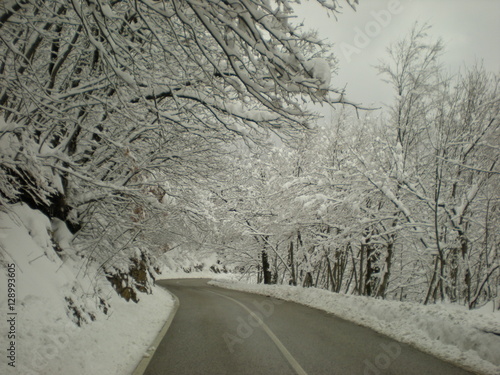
[450,332]
[320,70]
[47,340]
[188,264]
[7,126]
[108,12]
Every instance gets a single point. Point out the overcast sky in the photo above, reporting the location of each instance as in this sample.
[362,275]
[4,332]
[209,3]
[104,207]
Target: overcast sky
[469,29]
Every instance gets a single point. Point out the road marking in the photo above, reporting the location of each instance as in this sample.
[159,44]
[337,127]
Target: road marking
[288,356]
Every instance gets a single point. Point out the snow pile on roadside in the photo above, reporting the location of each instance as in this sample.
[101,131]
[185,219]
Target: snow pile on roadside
[450,332]
[54,290]
[114,345]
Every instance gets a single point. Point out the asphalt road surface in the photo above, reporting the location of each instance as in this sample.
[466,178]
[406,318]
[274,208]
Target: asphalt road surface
[217,331]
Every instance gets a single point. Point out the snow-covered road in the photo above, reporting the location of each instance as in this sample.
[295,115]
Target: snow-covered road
[219,331]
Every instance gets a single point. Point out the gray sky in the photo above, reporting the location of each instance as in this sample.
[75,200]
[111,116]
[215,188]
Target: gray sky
[469,29]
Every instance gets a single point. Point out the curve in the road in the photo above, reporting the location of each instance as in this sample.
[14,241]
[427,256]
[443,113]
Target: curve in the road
[225,332]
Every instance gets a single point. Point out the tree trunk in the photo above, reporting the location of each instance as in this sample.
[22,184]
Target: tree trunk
[371,269]
[266,271]
[308,280]
[330,276]
[293,280]
[275,270]
[385,279]
[361,284]
[433,280]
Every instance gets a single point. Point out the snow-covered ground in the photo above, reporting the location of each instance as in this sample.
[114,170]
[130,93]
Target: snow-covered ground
[450,332]
[190,264]
[184,264]
[45,339]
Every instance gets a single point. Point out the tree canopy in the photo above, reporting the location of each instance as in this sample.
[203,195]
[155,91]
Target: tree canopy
[114,111]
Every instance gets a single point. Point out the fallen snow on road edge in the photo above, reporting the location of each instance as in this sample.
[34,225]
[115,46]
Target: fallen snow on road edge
[449,332]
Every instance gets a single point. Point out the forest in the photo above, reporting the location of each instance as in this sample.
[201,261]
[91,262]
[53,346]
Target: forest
[148,125]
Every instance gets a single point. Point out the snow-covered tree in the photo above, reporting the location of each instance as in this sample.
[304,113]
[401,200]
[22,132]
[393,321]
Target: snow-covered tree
[403,205]
[442,162]
[115,113]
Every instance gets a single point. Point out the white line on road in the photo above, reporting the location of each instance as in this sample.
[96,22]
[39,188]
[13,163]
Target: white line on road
[293,362]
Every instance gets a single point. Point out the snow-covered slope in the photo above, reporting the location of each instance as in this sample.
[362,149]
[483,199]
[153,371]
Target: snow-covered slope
[57,290]
[450,332]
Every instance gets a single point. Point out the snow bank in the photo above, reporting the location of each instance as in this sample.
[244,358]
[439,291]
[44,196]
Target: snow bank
[114,345]
[47,340]
[450,332]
